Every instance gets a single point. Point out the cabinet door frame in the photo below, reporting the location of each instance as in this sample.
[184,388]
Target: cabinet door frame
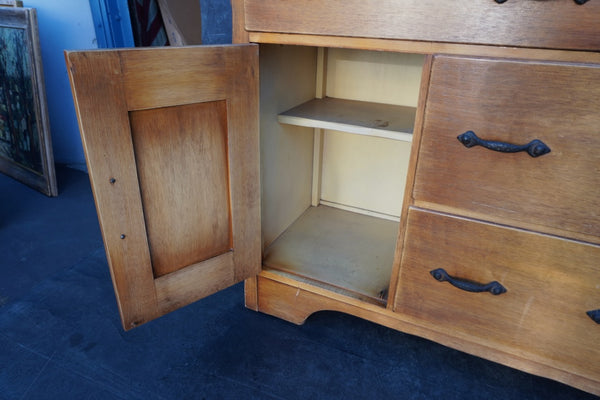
[108,86]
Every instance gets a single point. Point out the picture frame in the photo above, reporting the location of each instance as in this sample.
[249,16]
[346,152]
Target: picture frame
[25,142]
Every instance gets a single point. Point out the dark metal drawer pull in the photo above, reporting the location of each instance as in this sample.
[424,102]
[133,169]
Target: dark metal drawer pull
[580,2]
[594,315]
[535,148]
[494,287]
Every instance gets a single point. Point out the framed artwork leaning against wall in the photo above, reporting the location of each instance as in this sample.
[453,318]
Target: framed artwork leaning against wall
[25,143]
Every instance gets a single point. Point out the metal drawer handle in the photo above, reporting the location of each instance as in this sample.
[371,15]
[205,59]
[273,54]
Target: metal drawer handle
[494,287]
[580,2]
[594,315]
[535,148]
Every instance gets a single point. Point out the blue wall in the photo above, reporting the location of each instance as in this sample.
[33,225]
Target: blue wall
[216,21]
[63,24]
[68,24]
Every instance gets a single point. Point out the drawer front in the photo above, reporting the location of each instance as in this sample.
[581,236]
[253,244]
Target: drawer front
[513,102]
[560,24]
[550,285]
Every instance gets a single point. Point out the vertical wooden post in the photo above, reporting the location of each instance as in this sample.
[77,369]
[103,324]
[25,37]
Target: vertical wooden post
[238,22]
[320,92]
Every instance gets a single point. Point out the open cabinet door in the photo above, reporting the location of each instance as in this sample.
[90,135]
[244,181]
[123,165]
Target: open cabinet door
[172,147]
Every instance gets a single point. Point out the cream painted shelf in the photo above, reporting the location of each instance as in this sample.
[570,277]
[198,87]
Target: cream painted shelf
[339,249]
[359,117]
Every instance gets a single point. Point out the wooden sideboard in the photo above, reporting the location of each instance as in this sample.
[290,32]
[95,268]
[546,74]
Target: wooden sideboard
[434,168]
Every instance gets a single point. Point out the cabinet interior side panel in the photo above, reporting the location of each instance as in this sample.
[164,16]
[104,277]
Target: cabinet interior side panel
[288,76]
[182,163]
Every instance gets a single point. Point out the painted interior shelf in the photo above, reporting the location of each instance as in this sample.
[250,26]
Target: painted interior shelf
[359,117]
[340,248]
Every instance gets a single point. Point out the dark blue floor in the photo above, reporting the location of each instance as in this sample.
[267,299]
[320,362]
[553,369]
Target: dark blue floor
[61,338]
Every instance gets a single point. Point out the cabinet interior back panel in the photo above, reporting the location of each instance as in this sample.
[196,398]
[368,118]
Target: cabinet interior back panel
[379,77]
[366,173]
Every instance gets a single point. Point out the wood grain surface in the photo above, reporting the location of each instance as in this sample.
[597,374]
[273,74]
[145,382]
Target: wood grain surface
[171,140]
[514,102]
[542,24]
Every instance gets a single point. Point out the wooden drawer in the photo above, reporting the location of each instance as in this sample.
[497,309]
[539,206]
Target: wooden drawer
[513,102]
[550,286]
[546,24]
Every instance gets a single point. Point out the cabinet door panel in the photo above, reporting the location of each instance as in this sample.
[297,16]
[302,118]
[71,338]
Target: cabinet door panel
[183,203]
[171,142]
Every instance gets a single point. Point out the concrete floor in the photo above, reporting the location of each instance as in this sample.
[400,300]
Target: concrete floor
[61,338]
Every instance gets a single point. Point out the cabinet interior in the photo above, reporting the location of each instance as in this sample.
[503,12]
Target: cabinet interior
[336,131]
